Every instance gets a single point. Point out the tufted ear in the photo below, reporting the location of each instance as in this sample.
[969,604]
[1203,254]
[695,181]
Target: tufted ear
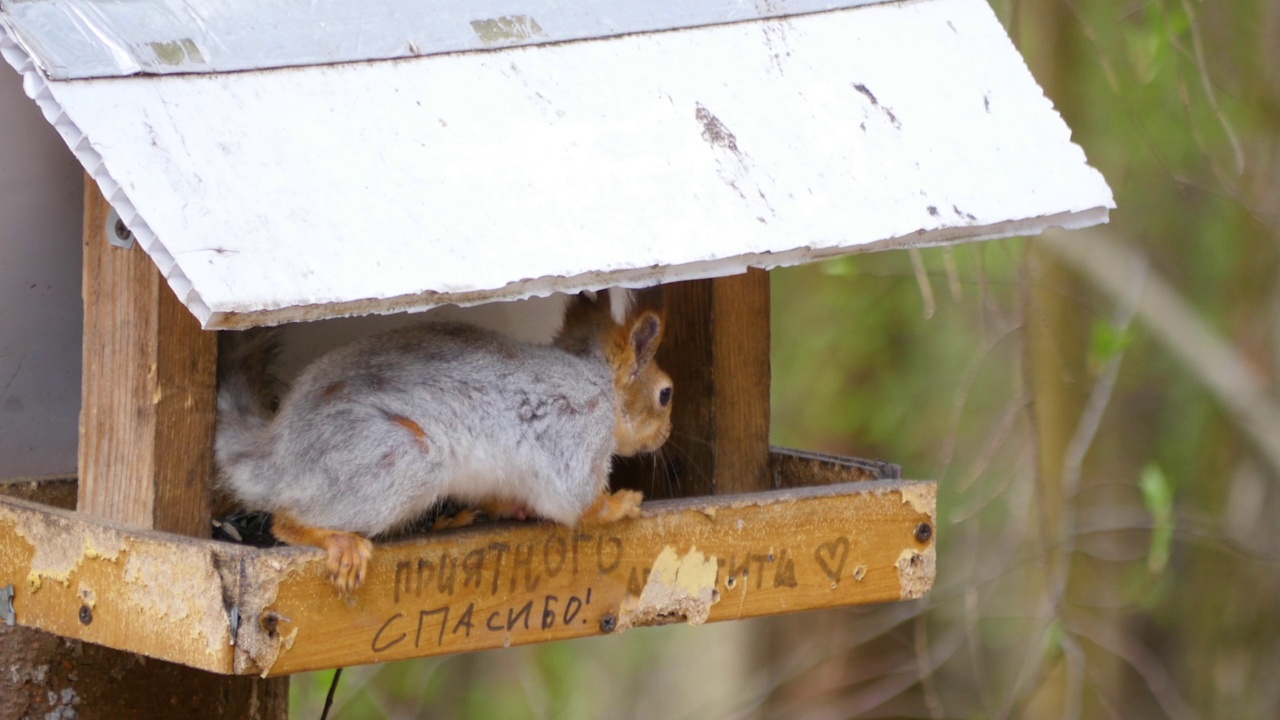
[645,334]
[587,318]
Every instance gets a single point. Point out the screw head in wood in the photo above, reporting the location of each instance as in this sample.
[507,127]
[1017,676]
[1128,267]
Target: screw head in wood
[118,234]
[122,231]
[86,614]
[924,531]
[6,605]
[608,623]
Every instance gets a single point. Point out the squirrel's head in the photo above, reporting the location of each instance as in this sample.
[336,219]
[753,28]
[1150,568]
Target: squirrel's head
[643,392]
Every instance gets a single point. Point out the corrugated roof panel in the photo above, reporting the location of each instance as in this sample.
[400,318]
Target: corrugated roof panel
[373,187]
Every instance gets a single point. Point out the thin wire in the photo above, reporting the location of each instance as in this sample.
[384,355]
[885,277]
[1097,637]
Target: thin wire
[328,700]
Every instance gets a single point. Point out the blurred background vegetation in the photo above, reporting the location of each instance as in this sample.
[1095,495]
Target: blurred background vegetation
[1099,408]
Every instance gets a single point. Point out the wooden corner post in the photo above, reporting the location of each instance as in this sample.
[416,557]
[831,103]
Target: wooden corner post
[148,393]
[146,459]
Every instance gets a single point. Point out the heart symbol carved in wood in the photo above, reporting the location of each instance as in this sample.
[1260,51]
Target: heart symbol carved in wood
[831,556]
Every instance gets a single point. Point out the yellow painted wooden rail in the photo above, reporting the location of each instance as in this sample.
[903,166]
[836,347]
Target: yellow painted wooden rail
[238,610]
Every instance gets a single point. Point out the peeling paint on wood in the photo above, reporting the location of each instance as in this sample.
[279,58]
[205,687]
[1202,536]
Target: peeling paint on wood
[58,553]
[152,593]
[922,498]
[98,682]
[232,609]
[264,632]
[916,571]
[679,588]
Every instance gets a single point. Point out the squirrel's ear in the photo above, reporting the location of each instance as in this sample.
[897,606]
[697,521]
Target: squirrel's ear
[646,334]
[587,299]
[586,318]
[581,310]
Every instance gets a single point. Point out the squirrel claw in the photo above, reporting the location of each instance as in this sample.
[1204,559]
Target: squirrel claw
[348,561]
[462,519]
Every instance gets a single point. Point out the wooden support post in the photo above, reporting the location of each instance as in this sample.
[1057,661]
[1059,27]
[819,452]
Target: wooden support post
[716,349]
[146,459]
[146,422]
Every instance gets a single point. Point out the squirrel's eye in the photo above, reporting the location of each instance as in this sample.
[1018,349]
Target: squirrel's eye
[664,396]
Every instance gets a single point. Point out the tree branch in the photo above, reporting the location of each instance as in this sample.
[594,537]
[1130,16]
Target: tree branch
[1102,258]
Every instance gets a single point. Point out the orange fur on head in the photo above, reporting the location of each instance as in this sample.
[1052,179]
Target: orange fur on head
[642,390]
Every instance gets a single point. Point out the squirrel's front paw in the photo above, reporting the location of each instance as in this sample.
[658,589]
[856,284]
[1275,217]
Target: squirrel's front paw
[612,507]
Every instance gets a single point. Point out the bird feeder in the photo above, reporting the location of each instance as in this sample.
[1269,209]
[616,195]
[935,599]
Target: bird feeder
[250,166]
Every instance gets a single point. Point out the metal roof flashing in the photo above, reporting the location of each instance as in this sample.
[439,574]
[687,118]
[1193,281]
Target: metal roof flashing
[377,187]
[81,39]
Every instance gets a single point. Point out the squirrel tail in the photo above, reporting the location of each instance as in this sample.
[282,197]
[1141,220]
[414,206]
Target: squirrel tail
[248,395]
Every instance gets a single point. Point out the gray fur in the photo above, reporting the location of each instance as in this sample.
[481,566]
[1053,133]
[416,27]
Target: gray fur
[501,419]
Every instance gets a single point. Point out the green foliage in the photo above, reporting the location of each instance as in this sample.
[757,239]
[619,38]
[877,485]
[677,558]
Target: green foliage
[857,359]
[1106,343]
[1157,496]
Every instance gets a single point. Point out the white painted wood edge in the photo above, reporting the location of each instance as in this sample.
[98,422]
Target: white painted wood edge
[635,279]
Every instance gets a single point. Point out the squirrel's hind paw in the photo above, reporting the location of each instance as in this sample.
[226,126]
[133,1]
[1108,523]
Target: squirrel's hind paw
[491,509]
[462,519]
[348,560]
[612,507]
[347,554]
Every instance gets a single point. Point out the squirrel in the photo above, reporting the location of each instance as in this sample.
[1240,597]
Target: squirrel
[376,433]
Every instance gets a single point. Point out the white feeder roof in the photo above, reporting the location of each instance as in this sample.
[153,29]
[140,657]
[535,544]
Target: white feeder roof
[297,193]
